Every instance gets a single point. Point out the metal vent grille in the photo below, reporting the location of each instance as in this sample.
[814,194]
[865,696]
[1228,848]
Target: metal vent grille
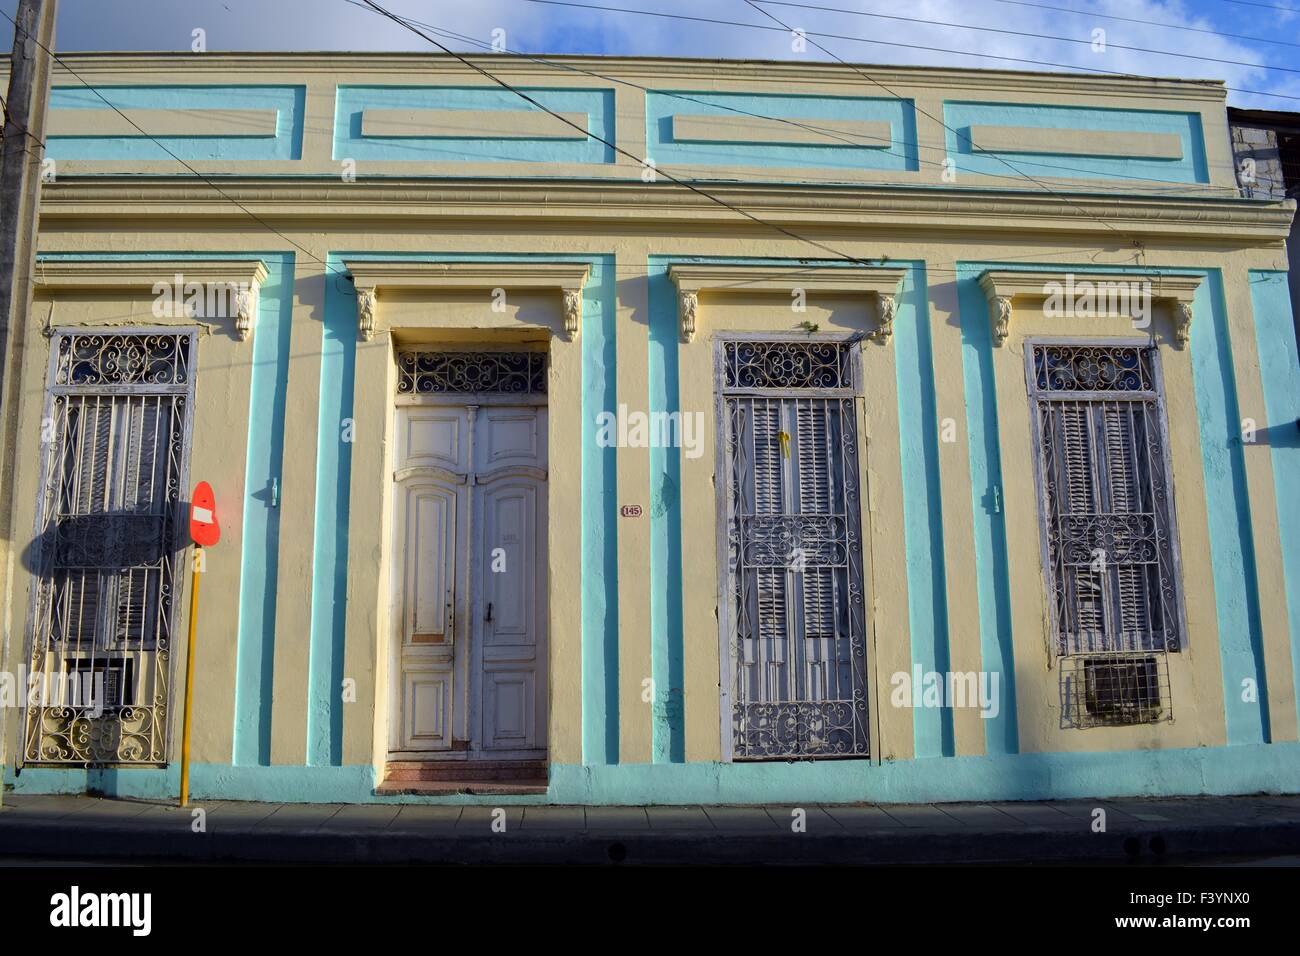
[1109,539]
[430,373]
[796,614]
[1117,689]
[109,548]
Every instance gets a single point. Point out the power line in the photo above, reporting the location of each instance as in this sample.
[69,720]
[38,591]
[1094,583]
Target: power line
[1137,244]
[893,43]
[1174,187]
[1268,6]
[1023,33]
[681,182]
[198,174]
[1164,24]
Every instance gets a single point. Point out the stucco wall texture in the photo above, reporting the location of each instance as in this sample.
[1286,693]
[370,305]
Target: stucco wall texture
[294,426]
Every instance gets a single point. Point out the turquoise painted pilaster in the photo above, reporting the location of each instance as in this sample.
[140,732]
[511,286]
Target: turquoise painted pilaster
[338,350]
[927,592]
[1279,369]
[600,718]
[668,733]
[992,587]
[255,661]
[1232,539]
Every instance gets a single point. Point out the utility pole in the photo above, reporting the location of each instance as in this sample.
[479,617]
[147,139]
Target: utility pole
[21,167]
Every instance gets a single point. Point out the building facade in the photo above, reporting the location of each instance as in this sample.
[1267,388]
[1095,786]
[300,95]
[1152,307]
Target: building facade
[1266,144]
[684,431]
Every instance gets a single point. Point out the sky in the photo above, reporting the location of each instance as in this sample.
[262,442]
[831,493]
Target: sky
[1260,39]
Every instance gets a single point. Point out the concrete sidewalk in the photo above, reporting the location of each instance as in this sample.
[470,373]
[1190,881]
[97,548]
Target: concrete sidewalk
[94,828]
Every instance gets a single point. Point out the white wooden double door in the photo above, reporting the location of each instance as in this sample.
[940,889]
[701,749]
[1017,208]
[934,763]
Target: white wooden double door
[469,659]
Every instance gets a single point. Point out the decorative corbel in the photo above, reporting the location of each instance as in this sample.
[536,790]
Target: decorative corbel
[245,313]
[888,305]
[366,313]
[690,303]
[1182,323]
[1001,319]
[572,311]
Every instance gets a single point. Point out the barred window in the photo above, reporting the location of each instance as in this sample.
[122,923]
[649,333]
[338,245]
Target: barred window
[1109,541]
[795,627]
[109,547]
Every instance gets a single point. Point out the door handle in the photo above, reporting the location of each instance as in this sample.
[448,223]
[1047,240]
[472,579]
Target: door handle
[489,612]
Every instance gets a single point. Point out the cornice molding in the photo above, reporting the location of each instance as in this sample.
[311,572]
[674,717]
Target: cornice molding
[183,286]
[981,210]
[269,66]
[134,274]
[879,284]
[1006,289]
[373,279]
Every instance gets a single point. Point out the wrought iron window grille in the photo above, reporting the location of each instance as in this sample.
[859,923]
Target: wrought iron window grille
[796,613]
[109,547]
[1107,519]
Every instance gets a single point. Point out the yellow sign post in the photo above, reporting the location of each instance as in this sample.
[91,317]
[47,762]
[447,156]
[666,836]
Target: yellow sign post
[189,676]
[205,532]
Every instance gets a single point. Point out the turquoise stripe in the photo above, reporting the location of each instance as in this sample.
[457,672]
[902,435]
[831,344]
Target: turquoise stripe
[927,593]
[668,731]
[330,525]
[1279,369]
[599,573]
[992,587]
[600,717]
[1192,167]
[597,105]
[1247,769]
[895,151]
[255,661]
[1232,541]
[287,102]
[259,557]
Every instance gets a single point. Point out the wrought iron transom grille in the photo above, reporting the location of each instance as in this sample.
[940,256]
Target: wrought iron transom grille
[794,565]
[109,548]
[761,364]
[1108,528]
[431,373]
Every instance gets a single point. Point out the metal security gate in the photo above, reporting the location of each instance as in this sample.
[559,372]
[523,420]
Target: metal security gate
[795,620]
[1109,538]
[109,547]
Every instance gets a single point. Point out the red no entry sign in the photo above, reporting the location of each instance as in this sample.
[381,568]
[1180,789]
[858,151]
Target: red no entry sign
[203,516]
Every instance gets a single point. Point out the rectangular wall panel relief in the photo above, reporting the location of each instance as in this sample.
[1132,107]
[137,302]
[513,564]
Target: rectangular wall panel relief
[1071,142]
[777,131]
[121,123]
[441,124]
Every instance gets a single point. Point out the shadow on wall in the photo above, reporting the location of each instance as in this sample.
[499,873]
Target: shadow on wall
[1278,436]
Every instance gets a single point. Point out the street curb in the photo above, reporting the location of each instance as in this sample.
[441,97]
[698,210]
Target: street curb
[1130,843]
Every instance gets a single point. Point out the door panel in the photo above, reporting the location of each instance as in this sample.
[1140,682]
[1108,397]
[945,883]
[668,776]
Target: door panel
[512,630]
[470,666]
[433,515]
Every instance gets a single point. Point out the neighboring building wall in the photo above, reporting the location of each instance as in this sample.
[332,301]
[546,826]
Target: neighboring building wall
[294,424]
[1266,148]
